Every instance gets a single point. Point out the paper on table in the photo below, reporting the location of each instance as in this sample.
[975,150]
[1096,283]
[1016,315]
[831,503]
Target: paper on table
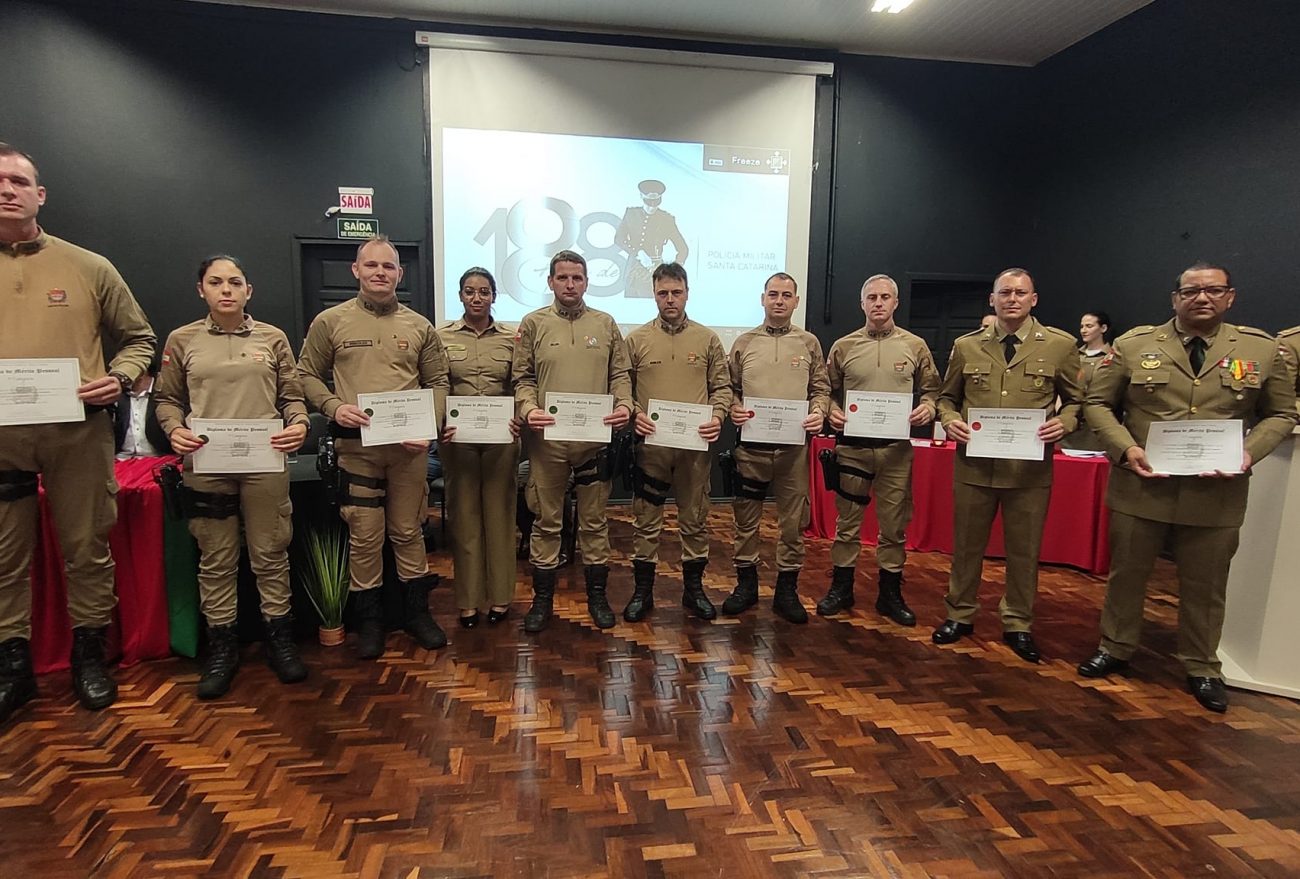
[398,417]
[677,425]
[579,417]
[877,414]
[1186,448]
[779,422]
[484,420]
[237,445]
[1011,434]
[40,390]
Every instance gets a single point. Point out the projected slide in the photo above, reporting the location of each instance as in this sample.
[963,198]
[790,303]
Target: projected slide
[512,199]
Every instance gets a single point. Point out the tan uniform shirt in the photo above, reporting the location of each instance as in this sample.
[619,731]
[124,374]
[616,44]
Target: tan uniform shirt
[1046,366]
[479,363]
[569,351]
[780,363]
[1148,378]
[891,360]
[685,364]
[210,373]
[59,300]
[371,349]
[1288,343]
[1088,365]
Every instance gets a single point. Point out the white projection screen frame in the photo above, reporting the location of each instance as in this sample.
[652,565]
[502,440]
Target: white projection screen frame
[631,158]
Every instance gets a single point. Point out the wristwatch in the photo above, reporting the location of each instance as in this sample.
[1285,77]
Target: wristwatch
[121,380]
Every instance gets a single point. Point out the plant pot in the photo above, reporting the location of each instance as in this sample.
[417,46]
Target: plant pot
[331,637]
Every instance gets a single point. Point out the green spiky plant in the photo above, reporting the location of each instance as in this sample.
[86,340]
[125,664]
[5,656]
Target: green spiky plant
[323,572]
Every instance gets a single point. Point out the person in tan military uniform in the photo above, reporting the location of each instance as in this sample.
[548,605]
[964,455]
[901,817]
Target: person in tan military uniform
[228,365]
[879,357]
[1288,343]
[60,301]
[642,234]
[569,348]
[778,361]
[374,344]
[1191,368]
[1094,331]
[1020,364]
[674,359]
[480,478]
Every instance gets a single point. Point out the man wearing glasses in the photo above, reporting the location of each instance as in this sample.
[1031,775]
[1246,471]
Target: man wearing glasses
[1194,367]
[1017,363]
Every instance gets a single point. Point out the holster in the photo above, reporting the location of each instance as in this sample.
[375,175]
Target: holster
[16,485]
[621,454]
[182,502]
[648,488]
[831,472]
[168,477]
[736,483]
[727,464]
[327,465]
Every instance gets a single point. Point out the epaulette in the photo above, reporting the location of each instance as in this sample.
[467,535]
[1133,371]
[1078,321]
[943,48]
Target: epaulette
[1291,332]
[1059,332]
[1254,331]
[1138,331]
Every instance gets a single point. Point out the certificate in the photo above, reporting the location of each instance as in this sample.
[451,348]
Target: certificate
[877,414]
[579,417]
[397,417]
[40,391]
[484,420]
[1005,433]
[779,422]
[236,445]
[677,425]
[1186,448]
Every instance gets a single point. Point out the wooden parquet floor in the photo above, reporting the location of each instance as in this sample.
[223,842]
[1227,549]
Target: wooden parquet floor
[671,748]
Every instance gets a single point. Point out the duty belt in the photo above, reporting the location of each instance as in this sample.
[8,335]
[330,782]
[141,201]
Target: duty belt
[866,442]
[338,431]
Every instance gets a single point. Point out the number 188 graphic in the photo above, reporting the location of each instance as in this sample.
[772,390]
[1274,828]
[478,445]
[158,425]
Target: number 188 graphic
[521,273]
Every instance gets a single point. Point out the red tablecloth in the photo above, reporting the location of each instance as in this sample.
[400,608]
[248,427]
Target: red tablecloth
[140,629]
[1077,518]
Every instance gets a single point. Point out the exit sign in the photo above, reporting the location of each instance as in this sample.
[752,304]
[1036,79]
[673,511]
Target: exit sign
[352,227]
[356,200]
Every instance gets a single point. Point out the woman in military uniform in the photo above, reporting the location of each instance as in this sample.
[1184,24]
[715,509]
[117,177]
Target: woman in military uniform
[229,366]
[1094,331]
[481,491]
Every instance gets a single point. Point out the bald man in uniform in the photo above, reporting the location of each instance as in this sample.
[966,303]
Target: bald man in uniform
[374,344]
[642,234]
[60,301]
[879,357]
[673,358]
[1195,367]
[1018,363]
[568,348]
[780,361]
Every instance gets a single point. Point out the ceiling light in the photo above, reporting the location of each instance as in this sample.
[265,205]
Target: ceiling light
[892,6]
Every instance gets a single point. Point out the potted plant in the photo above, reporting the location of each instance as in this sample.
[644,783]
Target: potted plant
[323,572]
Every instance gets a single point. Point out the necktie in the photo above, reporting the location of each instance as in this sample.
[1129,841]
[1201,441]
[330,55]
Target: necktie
[1009,343]
[1196,351]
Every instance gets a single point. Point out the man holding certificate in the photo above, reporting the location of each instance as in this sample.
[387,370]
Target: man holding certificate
[1157,401]
[572,388]
[60,305]
[383,358]
[779,397]
[875,375]
[997,402]
[682,393]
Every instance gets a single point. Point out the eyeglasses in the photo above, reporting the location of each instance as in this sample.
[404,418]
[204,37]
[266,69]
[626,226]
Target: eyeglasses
[485,293]
[1018,294]
[1216,292]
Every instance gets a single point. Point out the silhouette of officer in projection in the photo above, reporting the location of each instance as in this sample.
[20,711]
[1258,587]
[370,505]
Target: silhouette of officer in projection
[642,235]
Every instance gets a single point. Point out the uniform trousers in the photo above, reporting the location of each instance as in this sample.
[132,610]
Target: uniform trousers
[75,461]
[892,491]
[785,469]
[267,518]
[405,505]
[1024,512]
[1202,555]
[551,467]
[686,471]
[481,497]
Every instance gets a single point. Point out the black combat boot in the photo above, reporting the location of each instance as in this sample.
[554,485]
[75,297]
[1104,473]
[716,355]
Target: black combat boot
[745,595]
[17,680]
[90,680]
[419,622]
[220,664]
[543,599]
[643,591]
[282,651]
[597,577]
[693,597]
[785,603]
[890,601]
[369,609]
[840,596]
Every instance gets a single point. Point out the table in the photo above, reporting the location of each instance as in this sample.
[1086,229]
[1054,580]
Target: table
[1077,517]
